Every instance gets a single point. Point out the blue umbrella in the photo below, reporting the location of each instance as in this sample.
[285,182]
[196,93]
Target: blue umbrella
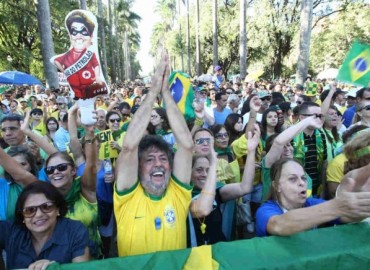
[17,77]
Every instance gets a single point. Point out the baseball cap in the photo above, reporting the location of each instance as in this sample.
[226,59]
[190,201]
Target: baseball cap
[263,93]
[217,68]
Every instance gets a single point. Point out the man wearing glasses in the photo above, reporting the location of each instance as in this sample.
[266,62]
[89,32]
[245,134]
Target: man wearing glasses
[310,145]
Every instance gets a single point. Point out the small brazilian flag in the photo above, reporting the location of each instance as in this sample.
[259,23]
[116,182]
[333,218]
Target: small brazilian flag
[182,92]
[356,67]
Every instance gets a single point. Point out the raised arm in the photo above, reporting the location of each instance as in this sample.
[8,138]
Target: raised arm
[88,179]
[327,101]
[203,205]
[286,136]
[184,153]
[255,106]
[236,190]
[19,174]
[127,161]
[74,143]
[39,140]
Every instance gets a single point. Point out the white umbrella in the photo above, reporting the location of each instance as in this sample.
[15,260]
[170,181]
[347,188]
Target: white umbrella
[330,73]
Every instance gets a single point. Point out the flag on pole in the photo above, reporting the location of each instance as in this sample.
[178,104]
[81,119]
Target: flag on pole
[5,88]
[182,92]
[356,67]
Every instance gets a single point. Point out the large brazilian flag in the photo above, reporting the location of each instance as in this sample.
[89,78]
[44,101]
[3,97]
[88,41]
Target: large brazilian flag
[337,248]
[182,92]
[356,67]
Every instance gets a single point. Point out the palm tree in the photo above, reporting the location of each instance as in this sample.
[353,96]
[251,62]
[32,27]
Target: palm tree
[47,44]
[127,24]
[102,39]
[243,40]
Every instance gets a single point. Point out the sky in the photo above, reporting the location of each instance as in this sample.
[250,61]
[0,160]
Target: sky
[144,8]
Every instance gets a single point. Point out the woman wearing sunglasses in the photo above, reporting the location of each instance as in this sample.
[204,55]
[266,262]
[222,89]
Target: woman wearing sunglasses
[40,234]
[363,114]
[210,207]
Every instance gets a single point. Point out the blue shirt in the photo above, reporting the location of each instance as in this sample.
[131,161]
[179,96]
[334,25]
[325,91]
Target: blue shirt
[69,240]
[217,79]
[220,117]
[271,208]
[61,137]
[348,116]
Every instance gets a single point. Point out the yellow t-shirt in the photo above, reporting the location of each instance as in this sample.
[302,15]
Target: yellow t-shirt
[41,128]
[152,224]
[335,170]
[87,213]
[240,149]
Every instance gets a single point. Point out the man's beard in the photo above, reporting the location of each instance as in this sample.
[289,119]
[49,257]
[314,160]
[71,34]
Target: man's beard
[156,190]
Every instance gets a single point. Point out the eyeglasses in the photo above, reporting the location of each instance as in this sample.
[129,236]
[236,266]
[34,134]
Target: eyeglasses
[221,135]
[202,141]
[60,167]
[115,120]
[11,129]
[30,211]
[367,107]
[317,115]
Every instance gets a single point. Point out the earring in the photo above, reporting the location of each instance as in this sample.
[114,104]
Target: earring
[23,221]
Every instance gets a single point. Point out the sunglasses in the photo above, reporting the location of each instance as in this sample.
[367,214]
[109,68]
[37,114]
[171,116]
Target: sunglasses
[115,120]
[317,115]
[202,141]
[10,129]
[60,167]
[266,98]
[366,108]
[125,115]
[229,93]
[30,211]
[37,113]
[60,104]
[221,135]
[299,102]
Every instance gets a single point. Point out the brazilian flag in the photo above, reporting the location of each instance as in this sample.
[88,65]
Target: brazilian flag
[356,67]
[182,92]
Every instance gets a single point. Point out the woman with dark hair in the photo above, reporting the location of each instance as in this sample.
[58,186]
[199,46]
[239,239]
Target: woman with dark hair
[234,126]
[270,123]
[289,210]
[333,138]
[159,125]
[12,185]
[52,126]
[113,119]
[41,234]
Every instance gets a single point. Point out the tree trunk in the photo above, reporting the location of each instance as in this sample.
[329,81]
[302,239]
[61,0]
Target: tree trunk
[214,33]
[126,51]
[304,41]
[188,36]
[103,49]
[83,4]
[47,45]
[243,40]
[118,62]
[197,42]
[111,53]
[181,47]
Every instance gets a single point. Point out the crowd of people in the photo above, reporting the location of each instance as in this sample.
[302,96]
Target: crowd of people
[259,158]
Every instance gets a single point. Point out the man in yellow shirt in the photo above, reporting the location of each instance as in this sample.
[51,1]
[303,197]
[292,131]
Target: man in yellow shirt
[152,192]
